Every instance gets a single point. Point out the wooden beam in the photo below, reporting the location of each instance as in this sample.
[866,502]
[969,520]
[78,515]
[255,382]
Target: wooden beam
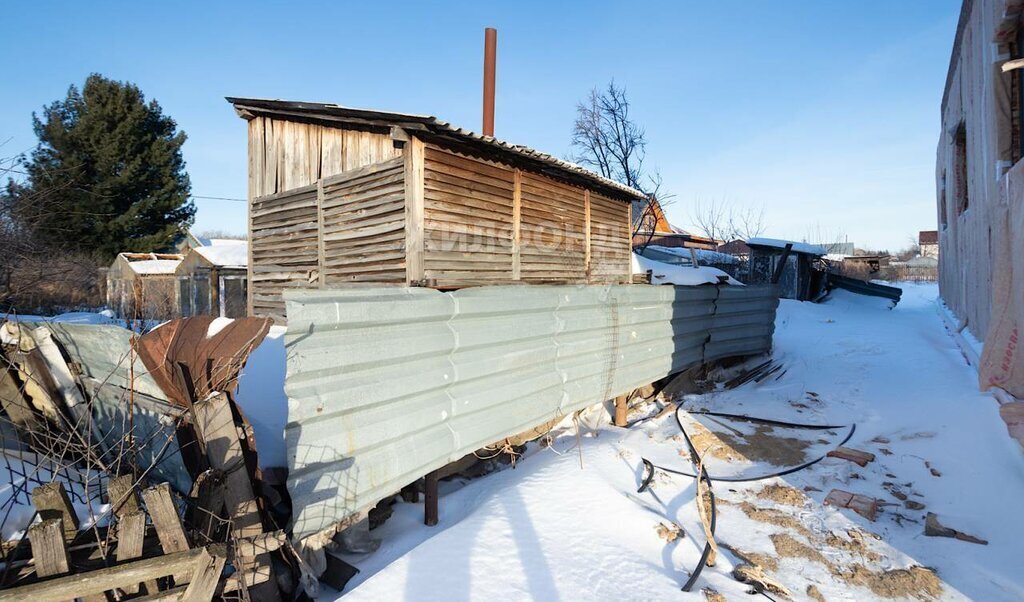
[414,211]
[621,410]
[586,231]
[517,223]
[629,244]
[96,582]
[1013,64]
[399,135]
[216,425]
[48,549]
[320,249]
[430,501]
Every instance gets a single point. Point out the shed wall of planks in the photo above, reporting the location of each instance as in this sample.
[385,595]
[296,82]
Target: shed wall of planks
[284,155]
[483,222]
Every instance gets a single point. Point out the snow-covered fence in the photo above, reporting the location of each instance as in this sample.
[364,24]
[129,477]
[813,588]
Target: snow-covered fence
[388,384]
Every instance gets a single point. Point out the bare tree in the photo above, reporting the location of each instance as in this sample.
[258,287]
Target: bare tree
[725,221]
[34,276]
[606,139]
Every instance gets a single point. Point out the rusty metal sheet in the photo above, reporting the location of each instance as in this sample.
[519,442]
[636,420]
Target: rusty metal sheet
[212,350]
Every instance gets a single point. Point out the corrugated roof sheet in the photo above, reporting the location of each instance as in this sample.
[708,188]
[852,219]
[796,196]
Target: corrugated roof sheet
[421,123]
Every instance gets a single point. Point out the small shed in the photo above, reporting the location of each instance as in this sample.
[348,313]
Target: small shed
[801,276]
[213,280]
[341,195]
[141,285]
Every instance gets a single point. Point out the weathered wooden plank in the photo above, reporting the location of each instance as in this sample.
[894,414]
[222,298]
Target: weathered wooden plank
[51,501]
[48,548]
[121,494]
[586,210]
[414,219]
[131,535]
[115,577]
[164,512]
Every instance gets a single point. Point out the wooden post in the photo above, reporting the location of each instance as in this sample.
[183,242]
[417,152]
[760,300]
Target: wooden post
[216,425]
[430,499]
[410,494]
[586,231]
[51,501]
[517,224]
[48,549]
[414,210]
[321,252]
[621,410]
[121,494]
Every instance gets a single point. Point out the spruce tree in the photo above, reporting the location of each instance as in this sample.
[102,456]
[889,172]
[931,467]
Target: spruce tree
[107,175]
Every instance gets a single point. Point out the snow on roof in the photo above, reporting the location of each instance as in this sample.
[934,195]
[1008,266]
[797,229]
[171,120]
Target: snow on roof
[151,263]
[226,255]
[154,266]
[666,273]
[703,255]
[777,243]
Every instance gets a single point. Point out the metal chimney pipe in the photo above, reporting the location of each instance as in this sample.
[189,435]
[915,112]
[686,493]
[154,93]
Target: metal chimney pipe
[490,54]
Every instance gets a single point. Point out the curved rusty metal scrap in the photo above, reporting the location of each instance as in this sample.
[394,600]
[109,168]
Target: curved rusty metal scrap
[188,363]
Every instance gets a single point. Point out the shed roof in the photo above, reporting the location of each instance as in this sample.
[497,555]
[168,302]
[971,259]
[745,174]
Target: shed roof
[928,237]
[429,127]
[235,255]
[151,263]
[798,247]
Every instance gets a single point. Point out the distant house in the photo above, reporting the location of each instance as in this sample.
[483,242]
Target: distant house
[651,227]
[141,285]
[928,243]
[737,248]
[212,280]
[865,264]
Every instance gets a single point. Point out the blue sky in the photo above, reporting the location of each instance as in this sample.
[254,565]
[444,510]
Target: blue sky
[826,113]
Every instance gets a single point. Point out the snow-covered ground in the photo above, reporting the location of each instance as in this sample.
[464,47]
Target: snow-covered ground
[551,530]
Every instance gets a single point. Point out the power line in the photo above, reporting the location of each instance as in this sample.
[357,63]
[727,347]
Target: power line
[194,196]
[218,198]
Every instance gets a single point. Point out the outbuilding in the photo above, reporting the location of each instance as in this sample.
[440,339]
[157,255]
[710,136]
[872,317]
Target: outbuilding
[141,286]
[212,280]
[800,276]
[340,195]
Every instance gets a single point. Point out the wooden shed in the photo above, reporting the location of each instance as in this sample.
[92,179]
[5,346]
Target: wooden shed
[212,280]
[141,285]
[800,276]
[341,195]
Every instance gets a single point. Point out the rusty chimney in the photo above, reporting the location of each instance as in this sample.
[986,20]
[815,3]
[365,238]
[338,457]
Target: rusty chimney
[490,52]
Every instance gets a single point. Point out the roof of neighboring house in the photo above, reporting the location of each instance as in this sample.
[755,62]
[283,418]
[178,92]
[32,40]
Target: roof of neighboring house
[928,237]
[427,127]
[734,247]
[151,263]
[232,255]
[777,243]
[661,224]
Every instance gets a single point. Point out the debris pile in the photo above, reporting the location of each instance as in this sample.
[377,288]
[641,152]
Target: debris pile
[140,466]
